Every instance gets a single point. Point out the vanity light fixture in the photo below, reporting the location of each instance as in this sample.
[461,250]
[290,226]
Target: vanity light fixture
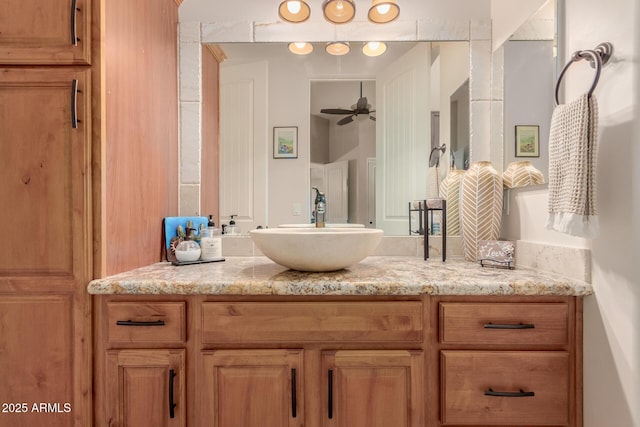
[294,11]
[383,11]
[339,11]
[301,48]
[338,48]
[374,48]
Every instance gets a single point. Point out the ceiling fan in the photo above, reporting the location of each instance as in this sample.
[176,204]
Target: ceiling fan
[360,107]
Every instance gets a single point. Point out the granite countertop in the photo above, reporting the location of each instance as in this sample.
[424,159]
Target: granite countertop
[375,275]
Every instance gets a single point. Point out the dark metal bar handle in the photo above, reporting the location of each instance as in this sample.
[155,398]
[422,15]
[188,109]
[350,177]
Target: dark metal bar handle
[330,378]
[294,411]
[74,104]
[74,35]
[135,323]
[172,405]
[520,393]
[509,326]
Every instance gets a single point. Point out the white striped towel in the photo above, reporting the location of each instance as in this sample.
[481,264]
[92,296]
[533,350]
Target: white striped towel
[572,168]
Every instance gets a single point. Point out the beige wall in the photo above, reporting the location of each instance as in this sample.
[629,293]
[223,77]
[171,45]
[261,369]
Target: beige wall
[611,315]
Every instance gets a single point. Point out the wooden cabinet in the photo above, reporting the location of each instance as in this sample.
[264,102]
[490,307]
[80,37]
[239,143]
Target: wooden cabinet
[79,113]
[49,32]
[346,363]
[141,371]
[136,149]
[159,323]
[373,388]
[505,388]
[46,139]
[312,321]
[266,387]
[247,388]
[429,361]
[44,264]
[506,361]
[146,388]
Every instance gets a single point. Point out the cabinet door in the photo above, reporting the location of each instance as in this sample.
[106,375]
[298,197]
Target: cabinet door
[249,388]
[45,263]
[373,388]
[45,176]
[45,32]
[36,361]
[146,388]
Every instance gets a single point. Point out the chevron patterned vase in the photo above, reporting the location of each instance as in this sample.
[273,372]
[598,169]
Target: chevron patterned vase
[480,207]
[450,191]
[521,174]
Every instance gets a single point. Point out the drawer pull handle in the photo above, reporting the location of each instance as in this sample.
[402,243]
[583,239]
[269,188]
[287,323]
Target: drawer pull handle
[330,381]
[74,104]
[74,12]
[134,323]
[294,412]
[172,404]
[507,326]
[520,393]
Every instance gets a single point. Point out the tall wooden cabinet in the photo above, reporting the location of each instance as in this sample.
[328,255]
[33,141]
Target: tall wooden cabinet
[88,167]
[45,177]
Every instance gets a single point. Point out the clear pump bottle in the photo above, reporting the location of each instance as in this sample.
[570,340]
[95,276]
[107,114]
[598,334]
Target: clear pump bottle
[211,242]
[232,229]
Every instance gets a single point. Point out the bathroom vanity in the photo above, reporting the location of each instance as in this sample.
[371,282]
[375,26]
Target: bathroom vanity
[391,341]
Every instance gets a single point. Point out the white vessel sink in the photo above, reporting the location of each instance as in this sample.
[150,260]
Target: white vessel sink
[327,225]
[316,249]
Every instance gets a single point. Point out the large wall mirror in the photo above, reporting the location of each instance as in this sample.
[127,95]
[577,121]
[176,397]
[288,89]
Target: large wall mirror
[371,166]
[270,190]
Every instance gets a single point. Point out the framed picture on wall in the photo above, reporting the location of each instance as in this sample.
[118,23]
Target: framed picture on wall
[285,142]
[527,141]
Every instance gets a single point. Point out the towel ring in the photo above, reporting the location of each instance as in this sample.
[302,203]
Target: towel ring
[597,58]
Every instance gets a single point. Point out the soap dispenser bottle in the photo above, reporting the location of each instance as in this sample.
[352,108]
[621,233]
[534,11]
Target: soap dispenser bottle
[211,242]
[232,229]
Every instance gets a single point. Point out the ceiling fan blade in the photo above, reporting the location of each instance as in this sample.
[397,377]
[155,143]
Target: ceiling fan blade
[335,111]
[344,121]
[372,118]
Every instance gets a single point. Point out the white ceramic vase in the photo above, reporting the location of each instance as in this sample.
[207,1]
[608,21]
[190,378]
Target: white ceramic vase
[480,206]
[450,191]
[521,174]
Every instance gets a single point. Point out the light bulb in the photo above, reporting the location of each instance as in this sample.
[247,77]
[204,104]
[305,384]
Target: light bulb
[383,8]
[294,7]
[374,48]
[383,11]
[338,48]
[338,11]
[294,11]
[300,48]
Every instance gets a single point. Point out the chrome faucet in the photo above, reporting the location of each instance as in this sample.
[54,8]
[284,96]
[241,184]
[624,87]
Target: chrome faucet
[320,208]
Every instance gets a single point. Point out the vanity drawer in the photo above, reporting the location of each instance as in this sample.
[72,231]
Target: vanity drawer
[267,322]
[504,323]
[535,387]
[146,322]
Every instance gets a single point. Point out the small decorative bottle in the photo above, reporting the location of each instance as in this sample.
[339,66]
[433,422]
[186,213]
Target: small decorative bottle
[211,242]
